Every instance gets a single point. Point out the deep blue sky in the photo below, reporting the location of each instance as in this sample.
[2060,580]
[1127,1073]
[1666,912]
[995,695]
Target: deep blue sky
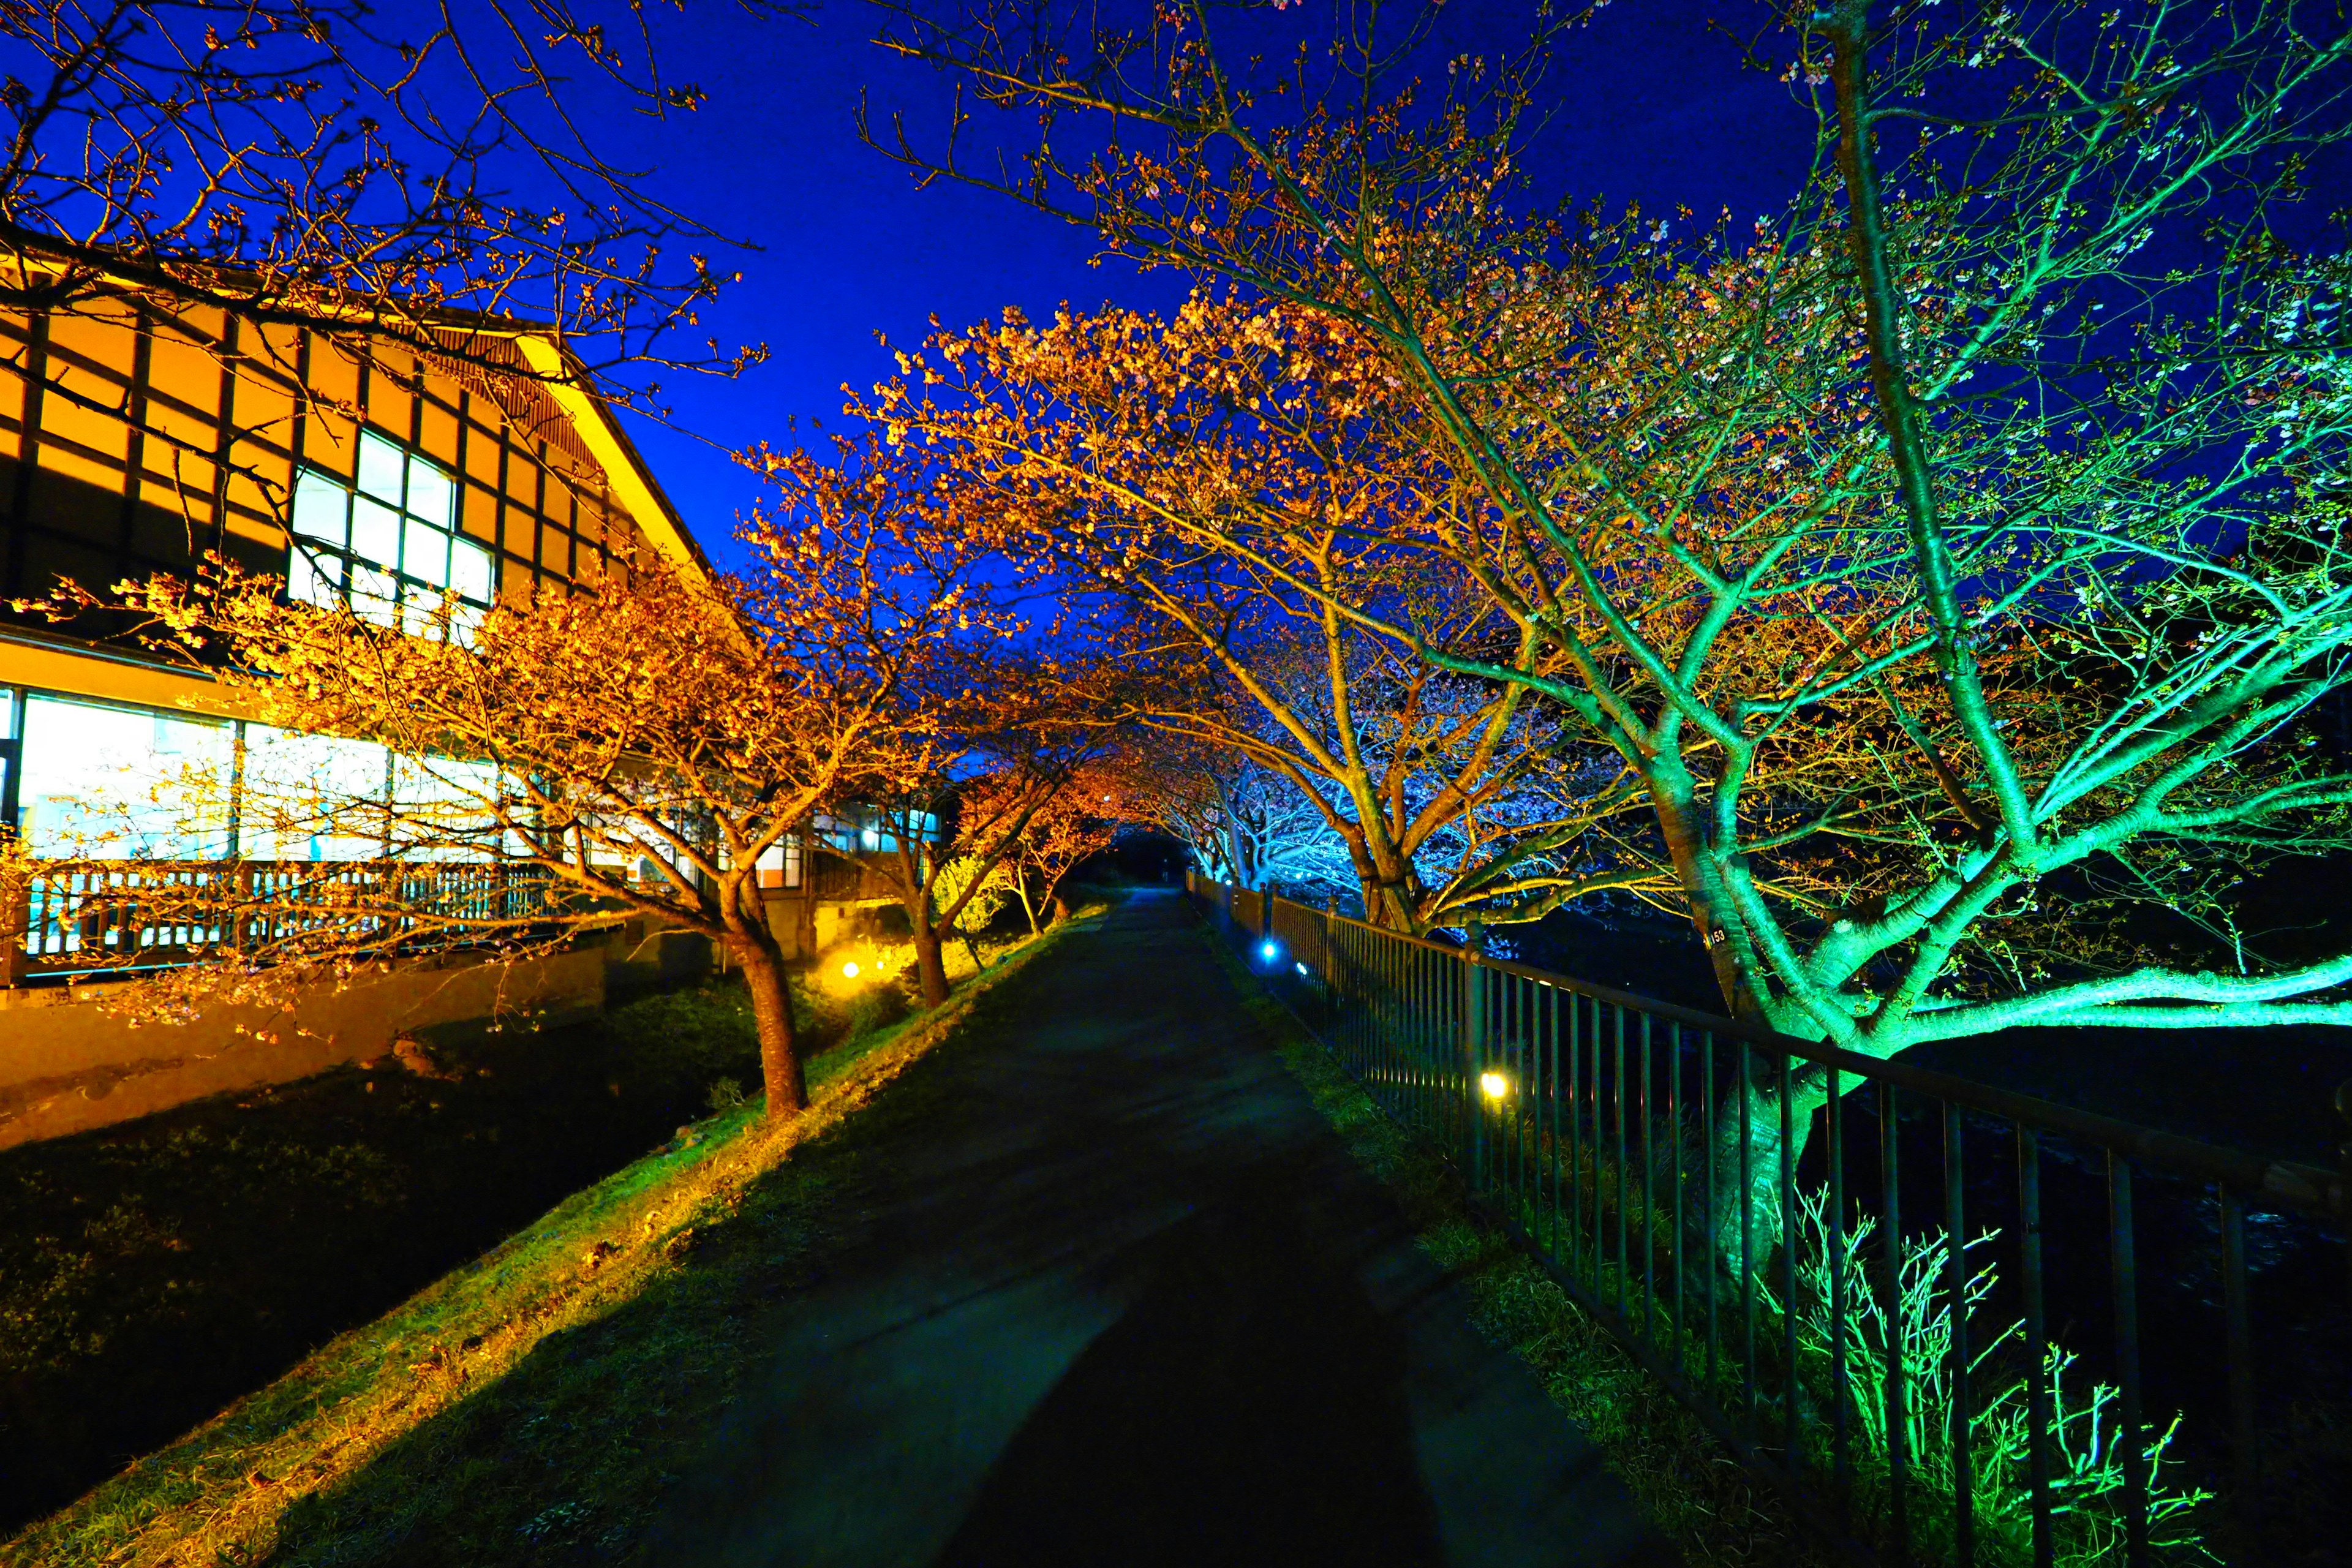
[1649,104]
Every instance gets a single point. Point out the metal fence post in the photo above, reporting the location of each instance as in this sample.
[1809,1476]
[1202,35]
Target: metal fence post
[2344,1177]
[1473,1067]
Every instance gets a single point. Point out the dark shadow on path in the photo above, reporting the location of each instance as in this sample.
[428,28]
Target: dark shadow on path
[1248,1408]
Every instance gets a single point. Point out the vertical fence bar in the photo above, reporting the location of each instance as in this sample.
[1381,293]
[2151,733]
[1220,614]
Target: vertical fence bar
[1898,1403]
[1558,1106]
[1677,1235]
[1833,1233]
[1474,1052]
[1709,1120]
[1649,1191]
[1577,1139]
[1747,1235]
[1512,1101]
[2037,1340]
[1955,1288]
[2245,1459]
[1792,1396]
[1617,1183]
[2122,1255]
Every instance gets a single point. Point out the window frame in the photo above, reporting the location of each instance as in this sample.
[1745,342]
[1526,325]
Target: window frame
[318,563]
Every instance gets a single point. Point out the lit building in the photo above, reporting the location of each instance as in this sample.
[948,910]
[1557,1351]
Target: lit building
[134,441]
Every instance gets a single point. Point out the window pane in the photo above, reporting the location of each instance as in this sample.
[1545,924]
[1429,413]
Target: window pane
[311,579]
[310,797]
[447,810]
[375,532]
[372,595]
[469,570]
[425,555]
[320,503]
[123,784]
[380,463]
[429,492]
[420,610]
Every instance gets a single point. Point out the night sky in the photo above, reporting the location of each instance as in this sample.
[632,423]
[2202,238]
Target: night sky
[1648,104]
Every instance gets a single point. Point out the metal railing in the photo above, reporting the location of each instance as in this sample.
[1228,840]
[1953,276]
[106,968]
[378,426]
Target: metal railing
[2000,1393]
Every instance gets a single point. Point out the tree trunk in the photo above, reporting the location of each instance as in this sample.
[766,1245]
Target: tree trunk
[1028,906]
[1061,908]
[930,968]
[1703,891]
[772,1011]
[1236,841]
[1758,1198]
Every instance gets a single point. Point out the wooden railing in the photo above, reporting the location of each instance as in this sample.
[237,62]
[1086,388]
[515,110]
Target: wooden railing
[841,879]
[86,916]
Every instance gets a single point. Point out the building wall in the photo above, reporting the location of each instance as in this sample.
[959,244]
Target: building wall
[67,1064]
[131,442]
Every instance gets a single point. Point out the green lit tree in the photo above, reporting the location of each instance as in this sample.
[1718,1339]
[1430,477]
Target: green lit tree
[1955,557]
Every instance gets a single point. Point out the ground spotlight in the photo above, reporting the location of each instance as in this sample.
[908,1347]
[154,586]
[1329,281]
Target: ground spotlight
[1300,967]
[850,969]
[1495,1084]
[1269,950]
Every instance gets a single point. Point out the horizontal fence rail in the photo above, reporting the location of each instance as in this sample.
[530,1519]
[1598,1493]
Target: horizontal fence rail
[1950,1323]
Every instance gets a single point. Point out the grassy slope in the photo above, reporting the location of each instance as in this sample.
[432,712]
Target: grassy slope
[152,1271]
[518,1408]
[1696,1494]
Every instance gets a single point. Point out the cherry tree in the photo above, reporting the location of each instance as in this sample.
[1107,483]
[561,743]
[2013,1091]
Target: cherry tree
[558,766]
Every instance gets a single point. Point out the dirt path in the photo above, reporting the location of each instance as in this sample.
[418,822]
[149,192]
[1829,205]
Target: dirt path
[1122,1300]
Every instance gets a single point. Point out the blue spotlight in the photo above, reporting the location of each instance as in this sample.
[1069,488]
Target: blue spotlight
[1300,967]
[1269,950]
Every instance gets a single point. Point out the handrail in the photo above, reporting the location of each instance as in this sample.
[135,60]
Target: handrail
[2309,1189]
[1645,1154]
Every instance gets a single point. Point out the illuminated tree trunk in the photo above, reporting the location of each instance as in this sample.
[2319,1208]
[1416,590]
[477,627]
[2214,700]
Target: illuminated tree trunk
[772,1011]
[1684,831]
[1756,1195]
[1240,864]
[930,968]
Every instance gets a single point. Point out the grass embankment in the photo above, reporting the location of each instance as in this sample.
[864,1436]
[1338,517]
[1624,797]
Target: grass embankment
[519,1409]
[1696,1494]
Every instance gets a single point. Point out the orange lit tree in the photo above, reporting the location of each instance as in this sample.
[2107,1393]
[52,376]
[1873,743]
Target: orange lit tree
[1011,735]
[560,765]
[1239,476]
[1080,822]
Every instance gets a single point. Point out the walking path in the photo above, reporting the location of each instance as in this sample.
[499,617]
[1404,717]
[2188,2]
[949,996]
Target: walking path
[1124,1301]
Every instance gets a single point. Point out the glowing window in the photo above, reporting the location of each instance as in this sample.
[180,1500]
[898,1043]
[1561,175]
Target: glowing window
[390,546]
